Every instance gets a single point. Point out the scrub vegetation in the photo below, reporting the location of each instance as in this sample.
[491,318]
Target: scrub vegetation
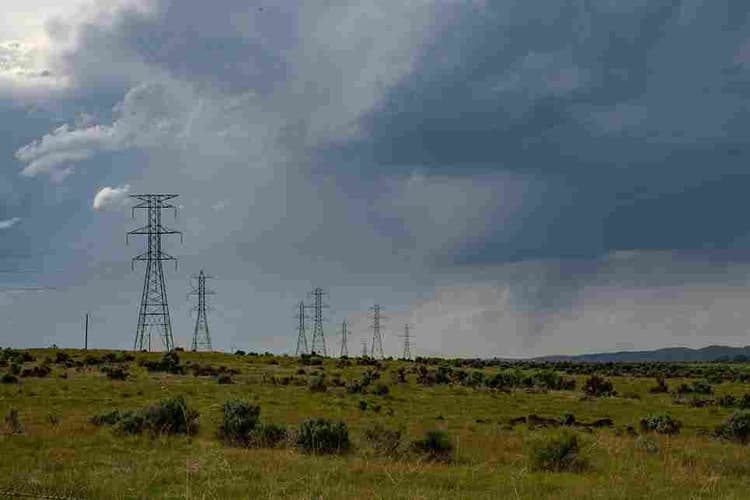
[101,424]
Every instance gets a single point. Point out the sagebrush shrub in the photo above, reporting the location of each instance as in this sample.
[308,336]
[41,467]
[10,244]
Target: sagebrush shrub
[381,390]
[169,362]
[169,416]
[568,419]
[560,452]
[598,386]
[267,435]
[116,373]
[435,445]
[661,423]
[240,418]
[323,436]
[736,427]
[317,383]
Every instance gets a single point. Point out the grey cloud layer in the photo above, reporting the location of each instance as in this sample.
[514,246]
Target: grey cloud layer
[388,148]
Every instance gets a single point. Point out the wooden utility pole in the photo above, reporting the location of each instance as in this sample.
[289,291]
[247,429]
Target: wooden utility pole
[86,334]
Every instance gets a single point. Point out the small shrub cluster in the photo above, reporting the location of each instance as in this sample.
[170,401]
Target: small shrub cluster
[736,427]
[200,370]
[697,387]
[730,401]
[240,418]
[435,445]
[9,356]
[169,362]
[323,436]
[169,416]
[39,371]
[317,383]
[267,435]
[8,378]
[558,453]
[310,360]
[241,426]
[116,372]
[661,423]
[596,386]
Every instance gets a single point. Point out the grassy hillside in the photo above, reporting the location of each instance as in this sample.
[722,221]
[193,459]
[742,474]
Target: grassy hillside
[53,448]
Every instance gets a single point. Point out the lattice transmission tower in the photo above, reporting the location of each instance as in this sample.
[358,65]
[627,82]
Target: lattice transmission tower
[201,335]
[318,336]
[407,342]
[364,348]
[344,335]
[154,310]
[376,348]
[301,335]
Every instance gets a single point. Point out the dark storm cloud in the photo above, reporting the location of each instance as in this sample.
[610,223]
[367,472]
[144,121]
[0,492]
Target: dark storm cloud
[629,116]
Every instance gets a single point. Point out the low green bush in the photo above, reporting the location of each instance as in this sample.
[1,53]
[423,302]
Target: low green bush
[435,445]
[736,427]
[323,436]
[169,416]
[560,452]
[239,419]
[267,435]
[661,423]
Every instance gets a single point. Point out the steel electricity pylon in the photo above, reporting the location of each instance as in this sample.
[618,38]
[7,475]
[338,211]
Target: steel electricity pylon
[201,335]
[376,348]
[407,342]
[154,310]
[301,335]
[344,335]
[364,348]
[318,336]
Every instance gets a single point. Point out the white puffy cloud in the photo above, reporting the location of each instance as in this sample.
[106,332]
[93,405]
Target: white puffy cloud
[9,223]
[111,197]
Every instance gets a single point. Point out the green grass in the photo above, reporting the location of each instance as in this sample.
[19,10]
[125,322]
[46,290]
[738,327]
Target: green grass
[72,456]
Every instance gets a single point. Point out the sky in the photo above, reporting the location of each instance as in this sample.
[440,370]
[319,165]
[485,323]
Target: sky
[511,178]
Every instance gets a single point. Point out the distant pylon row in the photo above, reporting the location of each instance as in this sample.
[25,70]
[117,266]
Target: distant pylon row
[318,339]
[154,309]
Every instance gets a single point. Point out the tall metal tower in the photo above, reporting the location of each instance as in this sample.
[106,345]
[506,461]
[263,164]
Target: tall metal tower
[344,335]
[364,348]
[318,337]
[201,336]
[301,335]
[407,342]
[376,348]
[154,311]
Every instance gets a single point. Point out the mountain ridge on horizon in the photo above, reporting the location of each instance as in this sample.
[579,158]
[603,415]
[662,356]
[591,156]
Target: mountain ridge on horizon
[708,353]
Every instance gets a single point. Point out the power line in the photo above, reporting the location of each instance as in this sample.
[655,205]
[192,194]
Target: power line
[201,335]
[301,335]
[376,349]
[154,310]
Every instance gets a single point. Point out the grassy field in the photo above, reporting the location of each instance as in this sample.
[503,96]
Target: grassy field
[58,451]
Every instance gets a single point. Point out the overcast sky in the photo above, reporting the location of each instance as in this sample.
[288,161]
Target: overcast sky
[512,177]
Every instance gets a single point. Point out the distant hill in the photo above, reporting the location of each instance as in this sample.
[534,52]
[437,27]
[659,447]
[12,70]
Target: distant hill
[710,353]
